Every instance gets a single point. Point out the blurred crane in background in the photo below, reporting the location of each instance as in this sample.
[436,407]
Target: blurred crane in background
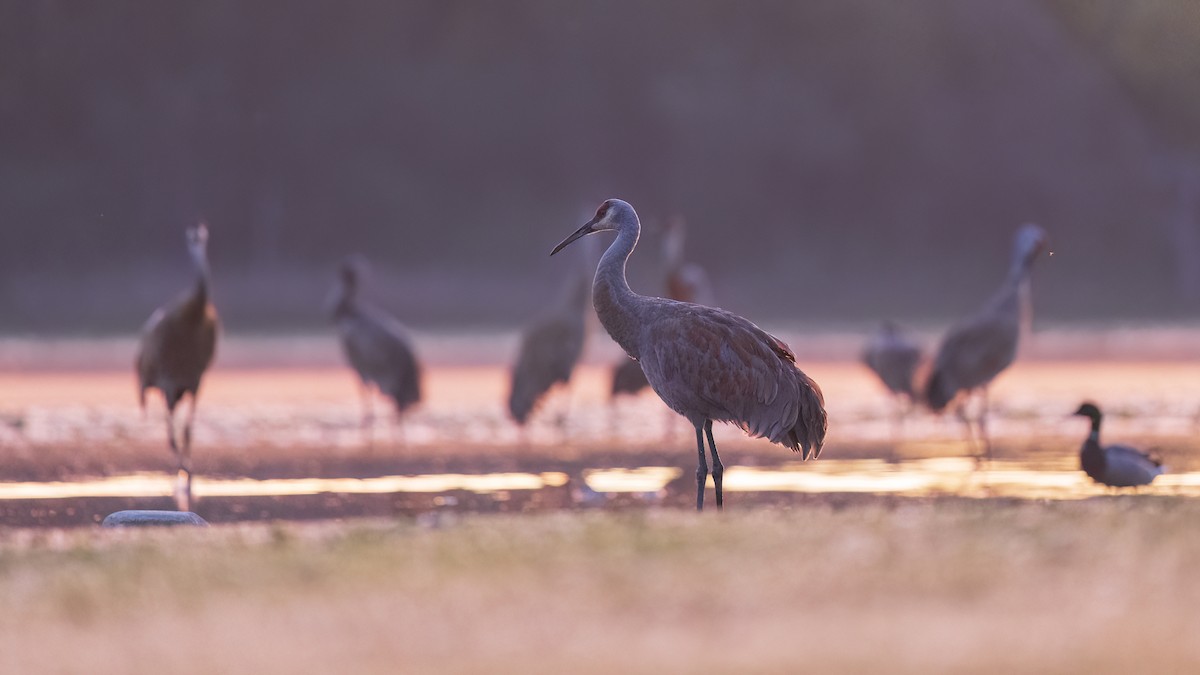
[976,350]
[551,345]
[376,345]
[894,358]
[177,346]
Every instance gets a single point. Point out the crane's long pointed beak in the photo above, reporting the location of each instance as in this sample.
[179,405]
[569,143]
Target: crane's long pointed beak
[581,232]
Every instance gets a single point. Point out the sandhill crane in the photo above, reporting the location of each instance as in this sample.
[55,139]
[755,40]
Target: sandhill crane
[892,356]
[705,363]
[375,344]
[1114,465]
[177,346]
[550,348]
[978,349]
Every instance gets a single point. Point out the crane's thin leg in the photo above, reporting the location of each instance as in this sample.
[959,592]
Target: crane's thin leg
[702,470]
[718,469]
[399,434]
[961,412]
[560,422]
[181,500]
[983,434]
[899,413]
[368,418]
[186,453]
[171,432]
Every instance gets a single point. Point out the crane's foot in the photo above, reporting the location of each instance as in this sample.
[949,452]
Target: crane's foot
[183,490]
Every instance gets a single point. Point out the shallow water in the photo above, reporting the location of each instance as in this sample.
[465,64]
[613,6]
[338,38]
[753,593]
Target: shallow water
[923,477]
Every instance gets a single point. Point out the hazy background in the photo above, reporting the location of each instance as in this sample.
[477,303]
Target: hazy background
[839,160]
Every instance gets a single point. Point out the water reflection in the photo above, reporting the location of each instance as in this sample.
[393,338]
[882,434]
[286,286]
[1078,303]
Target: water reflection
[1051,479]
[155,485]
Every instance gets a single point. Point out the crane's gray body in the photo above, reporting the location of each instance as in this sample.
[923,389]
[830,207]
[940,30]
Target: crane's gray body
[177,346]
[976,350]
[549,349]
[894,359]
[704,363]
[376,344]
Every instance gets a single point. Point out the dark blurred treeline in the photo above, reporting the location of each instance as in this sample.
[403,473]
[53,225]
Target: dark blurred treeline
[839,159]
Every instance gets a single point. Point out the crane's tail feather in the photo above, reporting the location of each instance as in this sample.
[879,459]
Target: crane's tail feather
[938,392]
[808,433]
[406,392]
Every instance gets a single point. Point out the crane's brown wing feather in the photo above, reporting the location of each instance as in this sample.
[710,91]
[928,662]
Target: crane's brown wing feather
[712,364]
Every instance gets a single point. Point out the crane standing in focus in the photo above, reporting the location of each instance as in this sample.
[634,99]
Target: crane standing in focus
[705,363]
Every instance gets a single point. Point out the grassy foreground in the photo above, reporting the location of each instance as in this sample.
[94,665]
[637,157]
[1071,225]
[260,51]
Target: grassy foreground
[1103,585]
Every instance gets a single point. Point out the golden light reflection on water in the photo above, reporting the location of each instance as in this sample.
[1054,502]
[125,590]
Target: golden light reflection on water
[644,479]
[156,485]
[924,477]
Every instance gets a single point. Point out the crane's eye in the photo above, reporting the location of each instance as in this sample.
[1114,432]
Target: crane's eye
[600,214]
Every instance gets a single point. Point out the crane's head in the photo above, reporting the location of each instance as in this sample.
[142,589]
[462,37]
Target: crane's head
[1089,410]
[1030,241]
[613,214]
[197,236]
[349,271]
[352,268]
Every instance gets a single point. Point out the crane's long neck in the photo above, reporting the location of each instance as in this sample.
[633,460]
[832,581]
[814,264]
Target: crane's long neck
[616,304]
[1013,297]
[200,292]
[345,299]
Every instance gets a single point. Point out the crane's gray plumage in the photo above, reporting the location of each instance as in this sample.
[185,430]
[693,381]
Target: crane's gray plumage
[705,363]
[1114,465]
[176,348]
[375,343]
[892,356]
[550,348]
[978,349]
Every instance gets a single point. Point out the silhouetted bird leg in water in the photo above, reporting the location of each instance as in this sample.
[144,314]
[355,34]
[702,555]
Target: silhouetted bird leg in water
[961,412]
[702,470]
[398,431]
[718,469]
[983,433]
[183,478]
[187,443]
[368,416]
